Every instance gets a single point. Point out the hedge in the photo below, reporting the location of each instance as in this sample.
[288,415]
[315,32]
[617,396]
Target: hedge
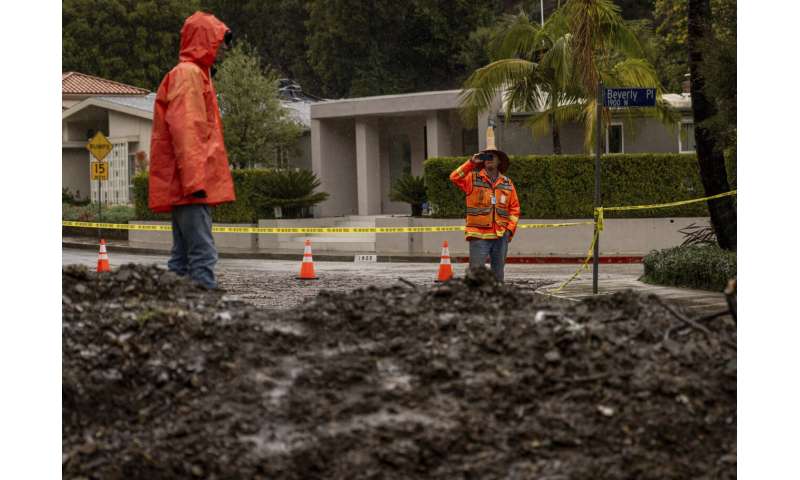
[707,267]
[562,186]
[88,213]
[243,210]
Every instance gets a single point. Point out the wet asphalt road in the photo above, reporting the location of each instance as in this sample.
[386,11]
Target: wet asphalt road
[273,283]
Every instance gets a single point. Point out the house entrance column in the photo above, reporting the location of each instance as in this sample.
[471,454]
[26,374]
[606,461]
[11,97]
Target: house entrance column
[437,126]
[368,164]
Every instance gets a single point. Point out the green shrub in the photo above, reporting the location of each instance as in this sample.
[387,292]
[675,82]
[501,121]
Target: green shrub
[411,190]
[562,186]
[140,200]
[258,191]
[89,213]
[290,190]
[69,198]
[706,267]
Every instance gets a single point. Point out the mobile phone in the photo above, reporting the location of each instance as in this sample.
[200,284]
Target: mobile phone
[484,156]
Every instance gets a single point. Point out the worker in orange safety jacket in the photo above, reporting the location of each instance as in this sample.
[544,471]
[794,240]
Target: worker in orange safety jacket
[492,206]
[189,169]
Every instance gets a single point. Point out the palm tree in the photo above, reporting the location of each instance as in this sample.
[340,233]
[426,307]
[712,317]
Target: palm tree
[554,70]
[709,154]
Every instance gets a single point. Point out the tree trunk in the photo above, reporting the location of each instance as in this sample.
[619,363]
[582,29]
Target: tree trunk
[556,135]
[709,154]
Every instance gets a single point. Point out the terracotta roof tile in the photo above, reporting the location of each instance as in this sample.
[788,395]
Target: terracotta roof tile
[76,83]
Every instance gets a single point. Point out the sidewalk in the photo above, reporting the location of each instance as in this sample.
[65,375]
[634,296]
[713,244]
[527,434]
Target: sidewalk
[90,243]
[345,256]
[697,302]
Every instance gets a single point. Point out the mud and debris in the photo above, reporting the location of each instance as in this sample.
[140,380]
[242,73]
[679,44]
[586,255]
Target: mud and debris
[465,379]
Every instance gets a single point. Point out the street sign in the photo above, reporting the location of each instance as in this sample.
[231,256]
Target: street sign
[99,146]
[629,97]
[99,170]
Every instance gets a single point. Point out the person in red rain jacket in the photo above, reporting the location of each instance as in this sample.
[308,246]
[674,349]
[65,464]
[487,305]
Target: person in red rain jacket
[189,169]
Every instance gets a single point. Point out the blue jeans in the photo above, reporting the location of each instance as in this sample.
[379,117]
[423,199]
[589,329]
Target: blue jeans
[193,250]
[495,249]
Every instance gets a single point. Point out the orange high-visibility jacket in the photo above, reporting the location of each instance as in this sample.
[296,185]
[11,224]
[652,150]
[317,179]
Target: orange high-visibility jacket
[187,151]
[487,219]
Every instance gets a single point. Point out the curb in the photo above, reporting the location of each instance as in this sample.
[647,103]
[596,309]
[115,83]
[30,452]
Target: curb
[555,299]
[326,257]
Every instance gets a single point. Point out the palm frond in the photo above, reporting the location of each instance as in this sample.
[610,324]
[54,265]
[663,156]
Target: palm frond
[633,72]
[539,123]
[624,39]
[524,97]
[559,59]
[519,39]
[557,24]
[483,86]
[590,125]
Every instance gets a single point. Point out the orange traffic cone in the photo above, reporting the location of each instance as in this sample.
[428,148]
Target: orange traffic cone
[307,267]
[445,268]
[102,258]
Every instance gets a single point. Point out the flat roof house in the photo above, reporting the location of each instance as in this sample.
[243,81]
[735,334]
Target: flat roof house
[361,146]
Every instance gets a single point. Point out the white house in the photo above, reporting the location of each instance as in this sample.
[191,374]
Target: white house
[361,146]
[124,114]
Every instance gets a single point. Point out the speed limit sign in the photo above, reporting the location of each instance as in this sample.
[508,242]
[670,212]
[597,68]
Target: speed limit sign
[99,170]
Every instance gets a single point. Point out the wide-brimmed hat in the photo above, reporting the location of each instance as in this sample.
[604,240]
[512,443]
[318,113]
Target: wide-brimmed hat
[492,148]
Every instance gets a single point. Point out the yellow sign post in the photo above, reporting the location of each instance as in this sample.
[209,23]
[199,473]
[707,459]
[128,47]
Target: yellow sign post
[99,147]
[99,170]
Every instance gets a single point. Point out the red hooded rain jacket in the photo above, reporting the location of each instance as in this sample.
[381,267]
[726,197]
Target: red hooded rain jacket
[187,151]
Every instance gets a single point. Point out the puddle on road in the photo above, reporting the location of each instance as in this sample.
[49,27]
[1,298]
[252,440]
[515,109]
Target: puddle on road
[288,369]
[384,418]
[287,328]
[343,349]
[284,439]
[278,440]
[392,376]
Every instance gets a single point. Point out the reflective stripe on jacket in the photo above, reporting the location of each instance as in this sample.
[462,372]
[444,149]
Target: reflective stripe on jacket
[486,219]
[187,151]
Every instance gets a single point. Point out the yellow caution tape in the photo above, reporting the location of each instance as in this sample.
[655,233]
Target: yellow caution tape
[552,225]
[598,212]
[598,222]
[116,226]
[285,230]
[672,204]
[598,216]
[584,265]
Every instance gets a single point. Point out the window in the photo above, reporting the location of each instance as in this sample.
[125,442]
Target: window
[131,174]
[469,141]
[399,157]
[686,137]
[615,142]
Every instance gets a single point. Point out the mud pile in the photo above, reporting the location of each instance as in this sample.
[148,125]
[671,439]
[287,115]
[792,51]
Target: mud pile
[467,379]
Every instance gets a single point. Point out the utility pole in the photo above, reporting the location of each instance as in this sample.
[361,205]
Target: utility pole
[597,146]
[541,11]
